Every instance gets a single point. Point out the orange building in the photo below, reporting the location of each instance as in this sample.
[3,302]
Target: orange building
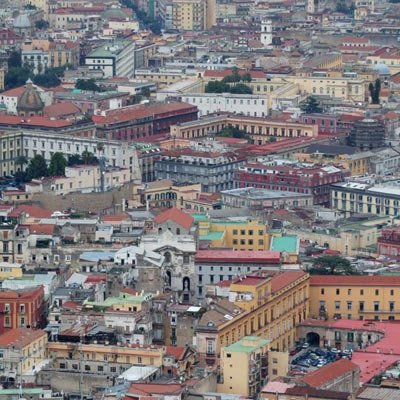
[23,308]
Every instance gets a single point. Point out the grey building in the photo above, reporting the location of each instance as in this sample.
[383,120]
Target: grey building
[367,134]
[213,169]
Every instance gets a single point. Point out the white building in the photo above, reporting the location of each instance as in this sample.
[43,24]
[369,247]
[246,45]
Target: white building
[114,59]
[117,153]
[246,104]
[266,32]
[10,97]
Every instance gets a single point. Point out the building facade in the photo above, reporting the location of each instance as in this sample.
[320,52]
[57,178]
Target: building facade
[22,308]
[243,367]
[214,170]
[355,297]
[269,308]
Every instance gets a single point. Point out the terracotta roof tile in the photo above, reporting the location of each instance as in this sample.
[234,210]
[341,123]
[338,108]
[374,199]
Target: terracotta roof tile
[283,279]
[33,211]
[176,215]
[354,280]
[155,388]
[329,372]
[20,337]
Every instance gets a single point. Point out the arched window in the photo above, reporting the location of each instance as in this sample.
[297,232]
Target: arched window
[167,256]
[178,231]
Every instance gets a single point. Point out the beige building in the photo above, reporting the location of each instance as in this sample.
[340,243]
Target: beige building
[278,364]
[96,354]
[354,197]
[10,150]
[22,351]
[260,129]
[193,15]
[350,239]
[243,368]
[80,178]
[2,75]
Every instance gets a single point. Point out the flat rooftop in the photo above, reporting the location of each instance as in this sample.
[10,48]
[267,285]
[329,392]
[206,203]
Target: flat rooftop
[261,194]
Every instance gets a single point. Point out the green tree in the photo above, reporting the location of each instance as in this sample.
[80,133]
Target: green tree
[47,79]
[217,87]
[375,91]
[241,88]
[57,164]
[332,265]
[14,61]
[37,168]
[74,159]
[246,77]
[16,76]
[21,161]
[41,24]
[233,132]
[89,158]
[311,105]
[87,84]
[145,92]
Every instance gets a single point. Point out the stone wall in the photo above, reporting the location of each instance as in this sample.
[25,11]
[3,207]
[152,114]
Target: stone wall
[84,202]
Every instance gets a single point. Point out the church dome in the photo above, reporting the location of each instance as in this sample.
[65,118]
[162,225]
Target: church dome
[30,101]
[22,22]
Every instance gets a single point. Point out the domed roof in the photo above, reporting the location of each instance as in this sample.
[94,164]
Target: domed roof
[114,13]
[22,22]
[382,69]
[30,100]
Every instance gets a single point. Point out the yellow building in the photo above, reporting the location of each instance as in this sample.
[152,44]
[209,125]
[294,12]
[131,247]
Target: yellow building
[193,15]
[357,238]
[95,354]
[166,194]
[2,75]
[355,297]
[22,350]
[357,164]
[10,270]
[237,235]
[10,150]
[269,308]
[363,198]
[243,367]
[122,302]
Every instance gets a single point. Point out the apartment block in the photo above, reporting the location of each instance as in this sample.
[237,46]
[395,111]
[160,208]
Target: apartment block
[114,59]
[22,308]
[269,308]
[355,297]
[243,367]
[362,198]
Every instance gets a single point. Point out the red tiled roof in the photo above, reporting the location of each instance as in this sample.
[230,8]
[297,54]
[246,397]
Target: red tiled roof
[22,294]
[141,111]
[238,256]
[176,215]
[41,229]
[329,372]
[154,388]
[354,280]
[20,337]
[283,279]
[96,278]
[58,110]
[115,218]
[33,121]
[177,351]
[71,304]
[226,72]
[15,92]
[33,211]
[250,280]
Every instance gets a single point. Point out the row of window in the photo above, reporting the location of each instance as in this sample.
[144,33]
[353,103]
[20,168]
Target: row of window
[350,291]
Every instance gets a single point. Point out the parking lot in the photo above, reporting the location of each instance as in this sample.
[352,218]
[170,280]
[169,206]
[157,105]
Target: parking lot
[306,358]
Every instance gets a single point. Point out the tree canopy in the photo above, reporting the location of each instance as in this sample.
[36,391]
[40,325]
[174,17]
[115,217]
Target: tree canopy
[37,168]
[87,84]
[47,79]
[311,105]
[57,164]
[332,265]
